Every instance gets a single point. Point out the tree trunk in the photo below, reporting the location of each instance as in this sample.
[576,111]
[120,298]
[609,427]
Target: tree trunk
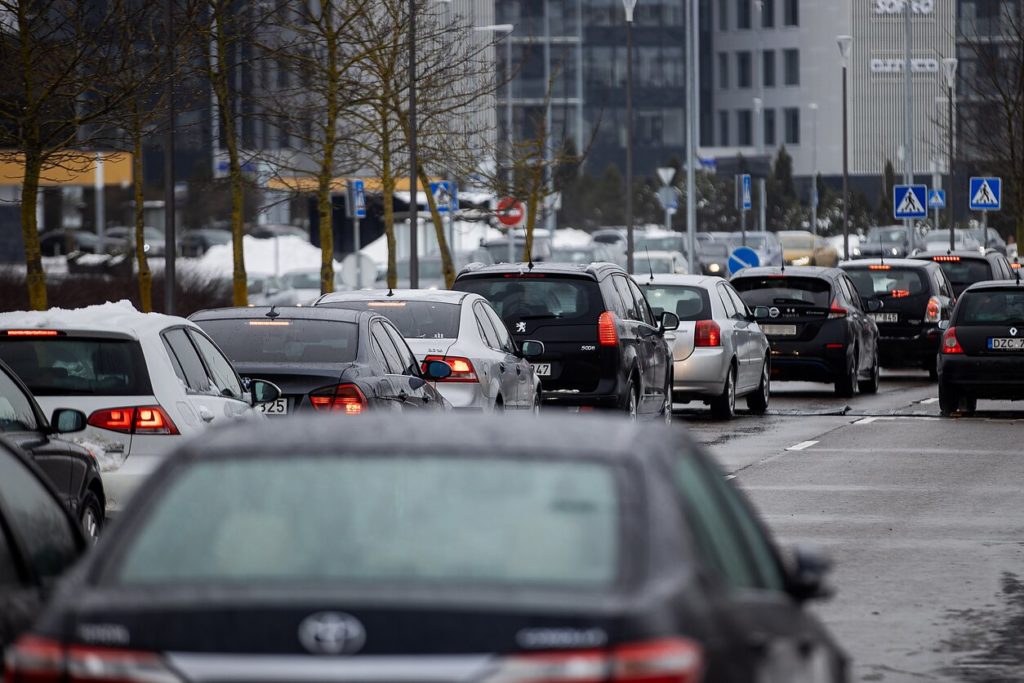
[326,175]
[536,180]
[35,278]
[447,266]
[323,206]
[388,191]
[141,260]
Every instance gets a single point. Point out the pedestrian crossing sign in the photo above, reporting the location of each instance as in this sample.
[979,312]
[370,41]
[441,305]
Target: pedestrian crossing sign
[986,194]
[908,201]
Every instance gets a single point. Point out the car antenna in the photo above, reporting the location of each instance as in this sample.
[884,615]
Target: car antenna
[272,313]
[650,266]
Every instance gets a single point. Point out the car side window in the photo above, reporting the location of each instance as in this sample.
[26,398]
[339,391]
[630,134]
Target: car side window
[16,414]
[490,337]
[392,361]
[188,359]
[727,302]
[410,366]
[614,299]
[629,306]
[224,376]
[504,338]
[849,293]
[640,302]
[741,308]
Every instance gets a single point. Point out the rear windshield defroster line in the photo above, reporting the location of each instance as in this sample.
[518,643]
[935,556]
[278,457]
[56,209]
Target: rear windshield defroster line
[73,365]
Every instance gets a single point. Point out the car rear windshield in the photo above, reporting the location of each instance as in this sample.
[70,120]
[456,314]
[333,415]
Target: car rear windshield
[886,236]
[284,341]
[539,296]
[966,271]
[408,519]
[992,307]
[782,290]
[888,281]
[64,365]
[414,319]
[689,303]
[659,265]
[660,243]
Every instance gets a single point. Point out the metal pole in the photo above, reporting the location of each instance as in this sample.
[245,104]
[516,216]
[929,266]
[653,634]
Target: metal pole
[101,220]
[629,143]
[952,175]
[743,227]
[846,174]
[508,113]
[692,123]
[908,122]
[359,260]
[814,171]
[579,81]
[170,236]
[414,219]
[549,218]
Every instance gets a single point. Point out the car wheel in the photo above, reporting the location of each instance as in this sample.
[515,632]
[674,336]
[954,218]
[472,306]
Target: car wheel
[970,405]
[632,402]
[933,370]
[846,386]
[724,407]
[536,403]
[949,400]
[757,402]
[870,386]
[91,517]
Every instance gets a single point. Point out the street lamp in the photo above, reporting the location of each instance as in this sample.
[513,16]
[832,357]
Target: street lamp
[949,65]
[813,106]
[414,218]
[692,127]
[629,5]
[507,30]
[845,45]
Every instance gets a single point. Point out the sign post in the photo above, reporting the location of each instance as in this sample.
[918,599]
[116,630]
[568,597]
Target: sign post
[355,205]
[744,202]
[510,214]
[986,195]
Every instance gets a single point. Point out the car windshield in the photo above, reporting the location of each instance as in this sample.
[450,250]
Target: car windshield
[304,280]
[282,340]
[414,319]
[797,241]
[62,365]
[689,303]
[659,243]
[713,249]
[894,236]
[888,281]
[937,238]
[540,296]
[784,290]
[754,240]
[992,307]
[413,519]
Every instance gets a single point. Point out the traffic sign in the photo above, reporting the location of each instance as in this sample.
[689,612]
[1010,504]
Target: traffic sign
[356,199]
[666,173]
[936,199]
[511,212]
[744,195]
[743,257]
[446,195]
[986,194]
[909,201]
[669,197]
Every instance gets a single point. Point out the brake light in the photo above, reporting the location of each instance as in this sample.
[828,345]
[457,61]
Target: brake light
[900,293]
[946,259]
[607,335]
[343,398]
[462,368]
[40,660]
[934,310]
[707,333]
[950,344]
[145,420]
[836,311]
[32,333]
[879,266]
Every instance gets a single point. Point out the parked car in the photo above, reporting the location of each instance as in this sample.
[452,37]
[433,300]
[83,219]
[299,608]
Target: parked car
[719,352]
[602,345]
[802,248]
[989,238]
[145,381]
[325,360]
[197,242]
[937,241]
[914,296]
[817,325]
[297,288]
[595,252]
[265,232]
[155,243]
[612,236]
[524,550]
[259,286]
[964,268]
[713,255]
[489,370]
[659,263]
[39,541]
[64,242]
[766,244]
[499,250]
[71,469]
[896,241]
[659,240]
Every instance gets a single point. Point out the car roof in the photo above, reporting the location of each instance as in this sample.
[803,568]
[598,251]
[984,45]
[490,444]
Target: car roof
[688,280]
[120,317]
[898,262]
[543,267]
[286,312]
[795,271]
[995,285]
[446,296]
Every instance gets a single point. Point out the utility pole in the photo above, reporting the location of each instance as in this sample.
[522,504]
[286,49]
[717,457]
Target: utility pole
[845,45]
[629,5]
[908,120]
[170,234]
[814,169]
[949,65]
[692,129]
[414,218]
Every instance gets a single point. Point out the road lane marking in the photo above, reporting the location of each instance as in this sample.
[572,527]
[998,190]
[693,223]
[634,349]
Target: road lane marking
[865,421]
[801,446]
[929,401]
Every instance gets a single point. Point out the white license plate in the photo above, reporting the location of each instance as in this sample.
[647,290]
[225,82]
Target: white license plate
[885,317]
[277,407]
[542,369]
[1006,344]
[779,330]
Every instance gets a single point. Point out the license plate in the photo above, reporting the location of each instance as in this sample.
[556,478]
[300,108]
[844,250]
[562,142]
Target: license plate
[542,369]
[885,317]
[1006,344]
[277,407]
[779,330]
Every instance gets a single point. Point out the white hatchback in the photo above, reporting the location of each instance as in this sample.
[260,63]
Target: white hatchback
[144,380]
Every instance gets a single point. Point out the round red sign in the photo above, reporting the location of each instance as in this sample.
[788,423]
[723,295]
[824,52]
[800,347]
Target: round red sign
[511,211]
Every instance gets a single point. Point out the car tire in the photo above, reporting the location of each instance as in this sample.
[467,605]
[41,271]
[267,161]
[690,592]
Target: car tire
[757,402]
[537,402]
[949,400]
[933,370]
[724,407]
[970,405]
[846,385]
[870,386]
[91,517]
[631,402]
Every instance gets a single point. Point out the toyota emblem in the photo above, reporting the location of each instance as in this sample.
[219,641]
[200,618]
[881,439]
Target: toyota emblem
[773,312]
[332,633]
[1013,331]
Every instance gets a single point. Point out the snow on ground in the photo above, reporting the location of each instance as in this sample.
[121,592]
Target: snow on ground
[570,237]
[293,253]
[118,315]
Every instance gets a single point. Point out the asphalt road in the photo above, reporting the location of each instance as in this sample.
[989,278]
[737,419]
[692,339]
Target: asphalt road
[924,517]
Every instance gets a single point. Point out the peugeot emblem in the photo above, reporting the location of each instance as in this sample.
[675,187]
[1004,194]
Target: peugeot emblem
[332,633]
[1013,331]
[773,312]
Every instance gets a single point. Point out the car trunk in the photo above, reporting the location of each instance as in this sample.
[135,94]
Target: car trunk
[683,340]
[985,340]
[798,306]
[296,381]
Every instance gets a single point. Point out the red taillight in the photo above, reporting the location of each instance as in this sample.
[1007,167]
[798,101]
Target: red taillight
[607,335]
[462,368]
[146,420]
[933,313]
[950,344]
[40,660]
[836,311]
[343,398]
[900,293]
[670,660]
[835,347]
[707,333]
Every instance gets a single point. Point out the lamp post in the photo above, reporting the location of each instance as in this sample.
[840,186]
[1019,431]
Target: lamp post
[414,218]
[692,129]
[949,65]
[813,106]
[629,5]
[170,234]
[507,30]
[845,45]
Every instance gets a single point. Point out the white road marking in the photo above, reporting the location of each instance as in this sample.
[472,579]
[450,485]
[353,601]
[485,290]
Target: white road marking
[801,446]
[730,477]
[865,421]
[928,401]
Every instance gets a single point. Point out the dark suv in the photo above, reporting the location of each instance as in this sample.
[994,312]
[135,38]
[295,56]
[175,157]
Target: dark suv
[817,325]
[603,346]
[964,268]
[914,297]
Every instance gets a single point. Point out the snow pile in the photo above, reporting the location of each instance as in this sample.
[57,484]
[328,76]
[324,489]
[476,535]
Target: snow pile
[292,253]
[570,237]
[119,315]
[106,461]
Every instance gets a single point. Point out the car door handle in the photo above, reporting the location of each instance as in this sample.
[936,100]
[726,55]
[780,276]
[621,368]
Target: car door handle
[205,414]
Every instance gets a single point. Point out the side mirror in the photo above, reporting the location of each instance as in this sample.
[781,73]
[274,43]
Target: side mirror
[807,573]
[761,312]
[669,321]
[437,370]
[263,391]
[943,325]
[67,420]
[872,305]
[531,349]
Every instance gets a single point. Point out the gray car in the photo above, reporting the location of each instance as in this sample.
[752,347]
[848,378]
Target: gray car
[719,352]
[489,371]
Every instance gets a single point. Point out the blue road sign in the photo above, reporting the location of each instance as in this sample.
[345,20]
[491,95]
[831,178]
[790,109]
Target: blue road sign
[986,194]
[909,201]
[357,195]
[744,198]
[743,257]
[936,199]
[446,194]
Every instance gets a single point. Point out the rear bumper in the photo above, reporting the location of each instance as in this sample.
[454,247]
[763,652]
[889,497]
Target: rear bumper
[807,362]
[702,375]
[917,350]
[464,395]
[120,484]
[608,394]
[998,377]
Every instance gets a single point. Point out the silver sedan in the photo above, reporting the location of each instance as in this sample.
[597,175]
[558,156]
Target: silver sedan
[719,352]
[489,371]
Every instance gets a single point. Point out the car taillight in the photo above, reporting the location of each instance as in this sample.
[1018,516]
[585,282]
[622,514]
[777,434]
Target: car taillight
[342,398]
[462,368]
[145,420]
[950,344]
[707,333]
[40,660]
[934,310]
[836,311]
[607,335]
[900,293]
[670,660]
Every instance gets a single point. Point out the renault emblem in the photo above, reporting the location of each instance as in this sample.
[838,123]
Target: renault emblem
[1013,331]
[332,633]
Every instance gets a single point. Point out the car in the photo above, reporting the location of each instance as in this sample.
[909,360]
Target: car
[259,286]
[197,242]
[712,255]
[595,252]
[989,238]
[603,347]
[489,370]
[297,288]
[894,241]
[523,550]
[802,248]
[266,232]
[659,262]
[659,240]
[612,236]
[719,352]
[983,347]
[39,541]
[837,242]
[938,241]
[325,360]
[144,381]
[817,325]
[63,242]
[914,296]
[154,245]
[766,244]
[964,268]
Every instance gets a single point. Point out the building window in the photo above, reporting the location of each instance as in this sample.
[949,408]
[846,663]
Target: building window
[768,68]
[743,70]
[744,128]
[792,126]
[723,70]
[723,129]
[791,13]
[769,128]
[767,13]
[743,14]
[723,15]
[791,66]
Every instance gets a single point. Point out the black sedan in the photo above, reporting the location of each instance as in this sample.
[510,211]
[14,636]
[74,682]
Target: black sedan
[983,347]
[324,359]
[818,326]
[71,469]
[523,550]
[964,268]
